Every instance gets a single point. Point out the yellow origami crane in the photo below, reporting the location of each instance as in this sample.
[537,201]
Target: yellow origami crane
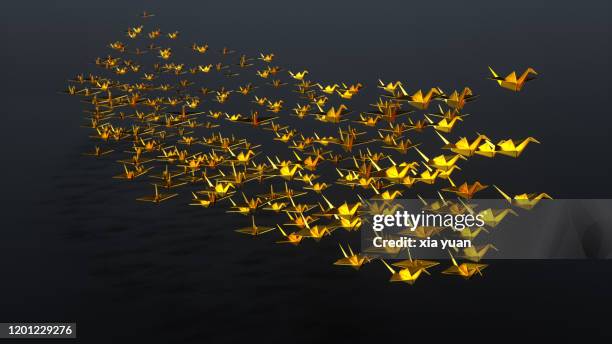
[525,201]
[157,197]
[329,89]
[492,217]
[415,264]
[441,162]
[332,115]
[390,87]
[316,232]
[458,100]
[291,238]
[353,260]
[445,125]
[487,149]
[466,190]
[465,270]
[511,82]
[405,275]
[254,229]
[514,148]
[471,234]
[201,202]
[299,75]
[463,146]
[475,253]
[420,101]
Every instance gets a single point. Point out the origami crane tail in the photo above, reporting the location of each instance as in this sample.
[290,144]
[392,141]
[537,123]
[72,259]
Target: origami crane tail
[495,76]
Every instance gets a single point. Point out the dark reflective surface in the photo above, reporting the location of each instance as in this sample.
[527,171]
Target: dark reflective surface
[76,247]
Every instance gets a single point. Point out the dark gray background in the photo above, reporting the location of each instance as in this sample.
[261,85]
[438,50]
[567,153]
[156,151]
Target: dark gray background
[125,273]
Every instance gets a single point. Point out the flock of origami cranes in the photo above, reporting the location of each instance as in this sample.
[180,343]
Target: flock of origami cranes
[178,125]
